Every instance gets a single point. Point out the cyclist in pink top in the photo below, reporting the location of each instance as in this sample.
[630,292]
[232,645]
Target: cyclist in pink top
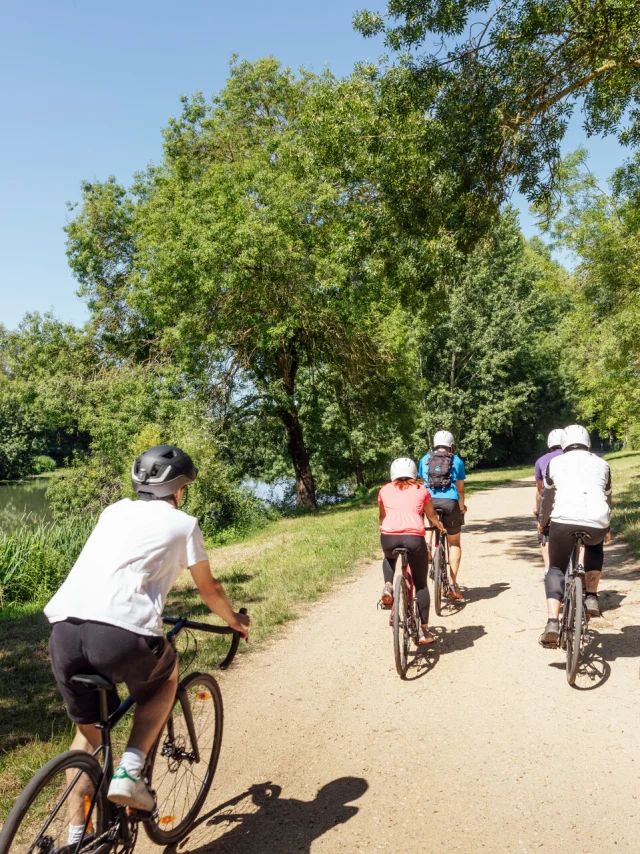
[403,504]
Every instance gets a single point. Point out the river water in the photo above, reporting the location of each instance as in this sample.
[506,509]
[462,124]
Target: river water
[20,499]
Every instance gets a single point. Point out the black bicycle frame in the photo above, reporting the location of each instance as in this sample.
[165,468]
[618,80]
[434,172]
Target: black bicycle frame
[107,721]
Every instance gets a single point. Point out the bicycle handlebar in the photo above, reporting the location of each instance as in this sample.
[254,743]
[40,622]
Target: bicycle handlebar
[180,623]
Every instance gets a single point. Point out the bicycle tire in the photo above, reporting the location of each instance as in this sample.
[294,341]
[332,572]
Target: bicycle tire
[171,784]
[437,579]
[400,625]
[574,629]
[84,762]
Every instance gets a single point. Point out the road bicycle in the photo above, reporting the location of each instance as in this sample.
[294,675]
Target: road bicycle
[439,571]
[574,621]
[405,617]
[72,787]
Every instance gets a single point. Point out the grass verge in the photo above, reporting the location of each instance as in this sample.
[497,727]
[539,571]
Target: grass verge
[291,563]
[625,475]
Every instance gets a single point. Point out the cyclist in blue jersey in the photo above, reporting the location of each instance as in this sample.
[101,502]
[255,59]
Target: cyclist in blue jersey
[443,473]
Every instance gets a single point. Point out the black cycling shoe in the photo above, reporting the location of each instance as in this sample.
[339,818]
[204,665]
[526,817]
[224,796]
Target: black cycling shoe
[592,605]
[550,635]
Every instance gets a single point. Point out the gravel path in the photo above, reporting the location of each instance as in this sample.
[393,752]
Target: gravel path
[484,748]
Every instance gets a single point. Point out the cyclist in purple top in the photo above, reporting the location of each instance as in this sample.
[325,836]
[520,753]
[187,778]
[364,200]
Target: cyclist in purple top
[554,443]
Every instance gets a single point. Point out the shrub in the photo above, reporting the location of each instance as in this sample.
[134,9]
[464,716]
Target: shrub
[35,560]
[43,464]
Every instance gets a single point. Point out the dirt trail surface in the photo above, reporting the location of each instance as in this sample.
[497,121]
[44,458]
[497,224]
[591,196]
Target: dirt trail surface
[484,748]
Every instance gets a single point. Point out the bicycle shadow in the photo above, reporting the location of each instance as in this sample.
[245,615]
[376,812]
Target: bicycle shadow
[271,824]
[595,667]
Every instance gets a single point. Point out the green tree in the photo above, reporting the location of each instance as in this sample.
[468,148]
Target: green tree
[248,258]
[488,356]
[601,334]
[502,78]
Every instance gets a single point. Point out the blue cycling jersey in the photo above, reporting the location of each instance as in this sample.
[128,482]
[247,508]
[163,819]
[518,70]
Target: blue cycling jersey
[457,473]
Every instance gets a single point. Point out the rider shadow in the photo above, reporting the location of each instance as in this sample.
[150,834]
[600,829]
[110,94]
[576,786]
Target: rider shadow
[271,824]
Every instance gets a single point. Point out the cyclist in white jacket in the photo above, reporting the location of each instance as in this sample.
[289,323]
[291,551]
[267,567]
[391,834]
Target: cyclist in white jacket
[576,497]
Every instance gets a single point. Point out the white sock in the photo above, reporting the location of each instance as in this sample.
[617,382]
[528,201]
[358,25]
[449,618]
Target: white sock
[75,833]
[133,762]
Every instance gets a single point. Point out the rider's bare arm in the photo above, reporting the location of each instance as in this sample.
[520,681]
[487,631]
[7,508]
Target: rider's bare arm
[215,598]
[383,512]
[460,488]
[538,494]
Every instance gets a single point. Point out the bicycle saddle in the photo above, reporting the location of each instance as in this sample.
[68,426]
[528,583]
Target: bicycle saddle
[401,551]
[439,512]
[582,534]
[92,680]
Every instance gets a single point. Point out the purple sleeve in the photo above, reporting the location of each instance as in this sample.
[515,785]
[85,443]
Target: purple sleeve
[539,474]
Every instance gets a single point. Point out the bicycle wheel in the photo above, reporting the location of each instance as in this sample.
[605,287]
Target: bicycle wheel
[437,579]
[58,795]
[184,762]
[401,625]
[574,629]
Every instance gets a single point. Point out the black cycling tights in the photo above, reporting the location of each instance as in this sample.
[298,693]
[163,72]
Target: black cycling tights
[418,561]
[561,545]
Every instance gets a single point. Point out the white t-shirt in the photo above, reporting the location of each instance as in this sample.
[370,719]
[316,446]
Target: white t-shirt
[580,483]
[128,566]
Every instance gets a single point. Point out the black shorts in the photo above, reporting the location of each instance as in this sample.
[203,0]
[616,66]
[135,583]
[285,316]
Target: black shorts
[142,662]
[452,515]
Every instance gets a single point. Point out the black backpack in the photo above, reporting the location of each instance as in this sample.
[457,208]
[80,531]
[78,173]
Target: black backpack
[439,470]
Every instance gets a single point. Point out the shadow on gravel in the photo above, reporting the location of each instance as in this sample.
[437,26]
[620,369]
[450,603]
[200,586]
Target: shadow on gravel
[270,824]
[424,659]
[595,668]
[479,594]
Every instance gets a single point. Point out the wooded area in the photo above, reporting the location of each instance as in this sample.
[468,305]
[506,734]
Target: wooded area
[321,272]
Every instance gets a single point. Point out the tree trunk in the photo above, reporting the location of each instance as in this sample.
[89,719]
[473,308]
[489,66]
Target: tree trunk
[305,486]
[357,465]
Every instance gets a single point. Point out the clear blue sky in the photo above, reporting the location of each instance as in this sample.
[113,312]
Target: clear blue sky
[87,87]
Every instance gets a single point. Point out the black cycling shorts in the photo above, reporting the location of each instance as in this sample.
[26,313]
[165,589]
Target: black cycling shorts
[142,662]
[452,515]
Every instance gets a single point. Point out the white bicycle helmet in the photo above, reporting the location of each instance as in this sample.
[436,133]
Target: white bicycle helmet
[576,434]
[403,467]
[554,439]
[443,438]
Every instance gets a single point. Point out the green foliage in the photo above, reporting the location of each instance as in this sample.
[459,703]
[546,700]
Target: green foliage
[488,361]
[35,560]
[601,334]
[503,78]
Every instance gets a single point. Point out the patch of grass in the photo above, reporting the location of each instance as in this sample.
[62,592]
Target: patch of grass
[490,478]
[625,474]
[35,559]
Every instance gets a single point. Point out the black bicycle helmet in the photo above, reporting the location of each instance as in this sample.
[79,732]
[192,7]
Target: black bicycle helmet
[162,471]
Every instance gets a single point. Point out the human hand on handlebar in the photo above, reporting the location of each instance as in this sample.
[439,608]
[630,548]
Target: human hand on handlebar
[240,624]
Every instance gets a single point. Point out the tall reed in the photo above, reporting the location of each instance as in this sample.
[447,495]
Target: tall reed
[35,559]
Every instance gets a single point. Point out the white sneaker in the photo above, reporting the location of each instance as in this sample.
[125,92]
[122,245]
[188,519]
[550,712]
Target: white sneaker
[129,792]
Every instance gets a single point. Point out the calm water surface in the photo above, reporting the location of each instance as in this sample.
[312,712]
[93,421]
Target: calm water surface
[22,498]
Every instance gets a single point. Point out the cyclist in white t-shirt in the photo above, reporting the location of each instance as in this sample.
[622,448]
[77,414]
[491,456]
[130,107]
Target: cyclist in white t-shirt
[576,497]
[107,615]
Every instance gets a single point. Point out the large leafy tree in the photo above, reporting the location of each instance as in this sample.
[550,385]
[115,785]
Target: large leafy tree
[489,358]
[244,254]
[503,76]
[601,334]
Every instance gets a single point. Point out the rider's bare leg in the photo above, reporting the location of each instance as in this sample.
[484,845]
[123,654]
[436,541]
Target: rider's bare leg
[455,554]
[592,579]
[87,738]
[150,717]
